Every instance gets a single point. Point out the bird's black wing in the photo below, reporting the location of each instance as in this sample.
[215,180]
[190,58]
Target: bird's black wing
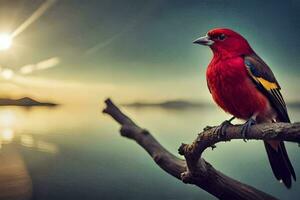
[266,82]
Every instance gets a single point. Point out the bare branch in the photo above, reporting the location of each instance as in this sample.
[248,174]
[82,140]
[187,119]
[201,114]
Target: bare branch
[196,170]
[209,137]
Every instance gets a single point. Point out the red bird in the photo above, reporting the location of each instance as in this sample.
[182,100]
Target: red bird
[242,84]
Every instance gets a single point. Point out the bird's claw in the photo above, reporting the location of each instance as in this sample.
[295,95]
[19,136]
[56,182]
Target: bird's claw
[221,129]
[246,127]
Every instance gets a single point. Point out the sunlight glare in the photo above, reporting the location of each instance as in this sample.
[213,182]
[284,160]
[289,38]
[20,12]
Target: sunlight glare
[7,118]
[5,41]
[7,135]
[7,121]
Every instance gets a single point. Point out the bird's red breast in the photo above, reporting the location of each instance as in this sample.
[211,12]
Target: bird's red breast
[233,90]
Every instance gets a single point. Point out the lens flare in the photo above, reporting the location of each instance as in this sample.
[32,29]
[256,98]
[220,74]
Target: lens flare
[35,16]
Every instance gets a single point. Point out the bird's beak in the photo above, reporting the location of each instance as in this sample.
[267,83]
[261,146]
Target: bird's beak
[205,40]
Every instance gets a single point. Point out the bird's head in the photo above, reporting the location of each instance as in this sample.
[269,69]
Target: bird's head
[225,42]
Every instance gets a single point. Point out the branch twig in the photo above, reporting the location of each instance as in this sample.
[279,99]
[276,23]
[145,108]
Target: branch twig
[195,170]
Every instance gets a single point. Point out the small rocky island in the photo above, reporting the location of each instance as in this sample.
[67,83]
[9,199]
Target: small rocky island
[170,104]
[25,101]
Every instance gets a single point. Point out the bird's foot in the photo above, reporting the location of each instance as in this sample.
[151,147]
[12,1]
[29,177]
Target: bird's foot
[246,127]
[221,129]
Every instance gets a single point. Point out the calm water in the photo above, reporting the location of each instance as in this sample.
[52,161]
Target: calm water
[77,153]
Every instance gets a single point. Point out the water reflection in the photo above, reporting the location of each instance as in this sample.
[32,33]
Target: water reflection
[10,120]
[7,117]
[7,121]
[15,180]
[39,145]
[77,153]
[7,135]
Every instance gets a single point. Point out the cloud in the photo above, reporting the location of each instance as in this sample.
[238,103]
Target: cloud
[45,64]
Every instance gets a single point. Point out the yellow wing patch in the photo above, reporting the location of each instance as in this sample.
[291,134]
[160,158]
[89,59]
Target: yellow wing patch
[267,84]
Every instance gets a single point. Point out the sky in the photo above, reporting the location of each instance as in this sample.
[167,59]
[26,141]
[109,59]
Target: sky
[138,50]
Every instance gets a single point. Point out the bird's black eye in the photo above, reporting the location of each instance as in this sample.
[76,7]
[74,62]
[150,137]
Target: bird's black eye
[221,37]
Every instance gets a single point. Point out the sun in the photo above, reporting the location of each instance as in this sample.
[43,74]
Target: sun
[5,41]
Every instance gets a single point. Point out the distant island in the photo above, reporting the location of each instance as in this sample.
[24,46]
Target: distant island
[184,104]
[171,104]
[26,101]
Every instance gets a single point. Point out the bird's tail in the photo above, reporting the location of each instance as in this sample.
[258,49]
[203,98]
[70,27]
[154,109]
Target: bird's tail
[280,162]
